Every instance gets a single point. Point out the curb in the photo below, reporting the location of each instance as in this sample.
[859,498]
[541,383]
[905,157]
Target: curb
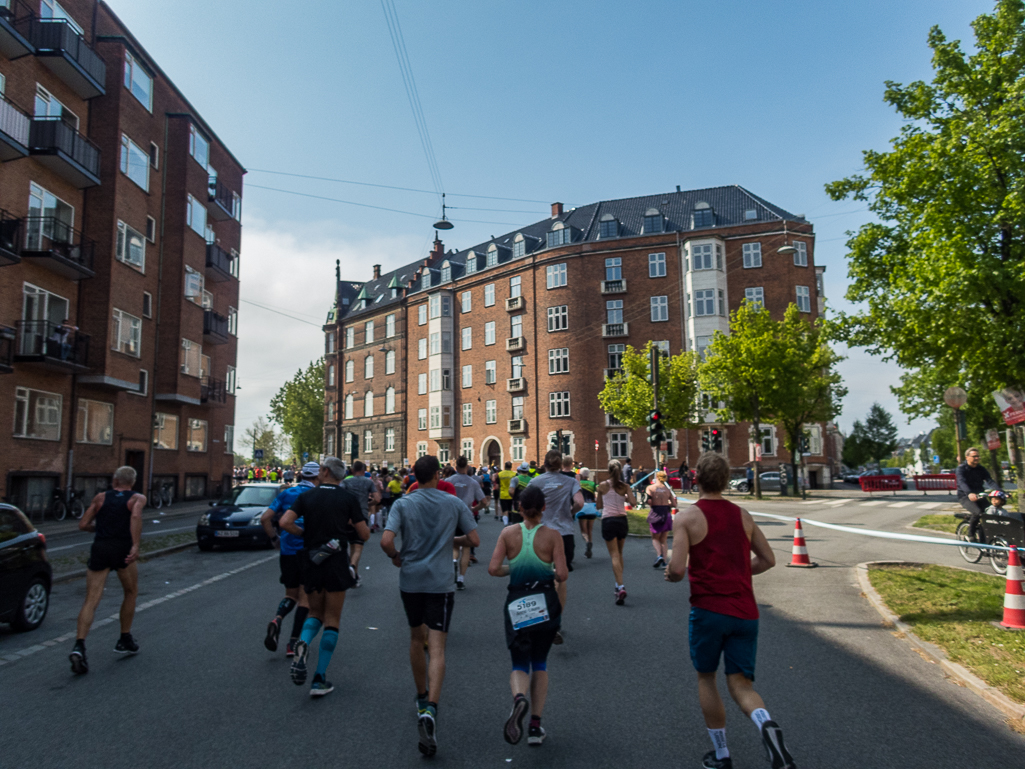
[935,654]
[68,576]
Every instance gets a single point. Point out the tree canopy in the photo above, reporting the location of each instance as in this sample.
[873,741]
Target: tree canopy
[628,396]
[261,435]
[298,407]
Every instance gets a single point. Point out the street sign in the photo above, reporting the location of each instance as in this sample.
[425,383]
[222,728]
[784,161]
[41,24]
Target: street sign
[306,455]
[935,459]
[955,397]
[992,440]
[663,446]
[257,453]
[754,452]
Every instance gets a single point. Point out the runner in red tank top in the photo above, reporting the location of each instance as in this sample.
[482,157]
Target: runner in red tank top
[725,548]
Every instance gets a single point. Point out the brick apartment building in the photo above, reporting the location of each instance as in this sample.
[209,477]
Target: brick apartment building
[119,239]
[510,341]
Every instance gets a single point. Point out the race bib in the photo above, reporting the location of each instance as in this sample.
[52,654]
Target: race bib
[529,610]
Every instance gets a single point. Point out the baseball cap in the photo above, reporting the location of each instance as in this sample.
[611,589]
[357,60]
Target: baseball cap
[311,470]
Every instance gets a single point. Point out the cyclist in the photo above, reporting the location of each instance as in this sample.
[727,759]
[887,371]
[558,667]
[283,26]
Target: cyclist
[972,480]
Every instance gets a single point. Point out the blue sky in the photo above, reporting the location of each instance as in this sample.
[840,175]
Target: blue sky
[555,101]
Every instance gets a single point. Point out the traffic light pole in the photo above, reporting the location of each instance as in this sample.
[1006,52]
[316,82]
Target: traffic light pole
[656,449]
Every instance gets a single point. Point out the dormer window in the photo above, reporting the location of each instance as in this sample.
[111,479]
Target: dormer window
[394,293]
[703,215]
[471,263]
[560,235]
[519,246]
[426,281]
[653,221]
[608,227]
[446,272]
[492,256]
[750,215]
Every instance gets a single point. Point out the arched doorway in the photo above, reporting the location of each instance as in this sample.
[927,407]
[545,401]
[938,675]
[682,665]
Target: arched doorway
[491,453]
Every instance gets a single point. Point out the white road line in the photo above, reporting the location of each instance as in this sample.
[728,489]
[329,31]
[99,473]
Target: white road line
[810,502]
[873,503]
[901,504]
[930,505]
[837,502]
[21,654]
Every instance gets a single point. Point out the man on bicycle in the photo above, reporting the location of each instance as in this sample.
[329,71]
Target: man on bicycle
[972,480]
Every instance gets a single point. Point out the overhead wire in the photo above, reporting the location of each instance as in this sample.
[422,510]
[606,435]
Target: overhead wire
[278,312]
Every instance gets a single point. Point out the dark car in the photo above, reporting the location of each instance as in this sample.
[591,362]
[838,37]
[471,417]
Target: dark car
[235,520]
[25,573]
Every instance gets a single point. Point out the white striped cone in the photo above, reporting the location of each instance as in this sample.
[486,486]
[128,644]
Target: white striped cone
[799,554]
[1014,596]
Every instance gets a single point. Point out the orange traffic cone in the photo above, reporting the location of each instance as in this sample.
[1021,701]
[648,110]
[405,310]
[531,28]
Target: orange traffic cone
[1014,596]
[800,552]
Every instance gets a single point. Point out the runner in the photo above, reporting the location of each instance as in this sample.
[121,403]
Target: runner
[506,488]
[289,561]
[426,522]
[537,559]
[485,482]
[725,548]
[469,491]
[660,520]
[589,512]
[563,499]
[329,512]
[365,491]
[613,495]
[523,479]
[118,526]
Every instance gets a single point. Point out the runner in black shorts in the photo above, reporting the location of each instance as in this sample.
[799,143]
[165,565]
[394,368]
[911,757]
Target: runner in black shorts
[613,496]
[327,512]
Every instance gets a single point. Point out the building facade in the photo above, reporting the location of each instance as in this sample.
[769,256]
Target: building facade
[510,341]
[120,232]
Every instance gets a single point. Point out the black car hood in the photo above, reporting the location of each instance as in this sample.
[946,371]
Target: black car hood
[234,513]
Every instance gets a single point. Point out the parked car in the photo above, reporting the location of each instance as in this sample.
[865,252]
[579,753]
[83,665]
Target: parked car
[769,481]
[25,572]
[235,520]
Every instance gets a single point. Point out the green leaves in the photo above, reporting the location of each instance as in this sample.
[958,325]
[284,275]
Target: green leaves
[628,397]
[298,407]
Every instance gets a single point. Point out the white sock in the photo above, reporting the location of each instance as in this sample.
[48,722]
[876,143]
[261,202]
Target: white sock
[760,716]
[372,518]
[718,737]
[459,578]
[505,519]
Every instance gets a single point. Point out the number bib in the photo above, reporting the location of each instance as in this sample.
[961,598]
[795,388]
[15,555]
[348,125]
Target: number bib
[529,610]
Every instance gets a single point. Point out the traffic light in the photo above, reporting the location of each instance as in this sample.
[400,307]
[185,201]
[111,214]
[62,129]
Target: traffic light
[353,447]
[706,441]
[558,442]
[711,440]
[656,430]
[803,444]
[565,445]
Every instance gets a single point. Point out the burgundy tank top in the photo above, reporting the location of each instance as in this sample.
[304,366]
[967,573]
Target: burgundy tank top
[720,565]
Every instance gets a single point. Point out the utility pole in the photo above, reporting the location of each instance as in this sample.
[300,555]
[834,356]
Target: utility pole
[653,364]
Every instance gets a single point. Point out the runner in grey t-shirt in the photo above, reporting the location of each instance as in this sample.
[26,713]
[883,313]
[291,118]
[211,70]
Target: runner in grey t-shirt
[468,490]
[364,489]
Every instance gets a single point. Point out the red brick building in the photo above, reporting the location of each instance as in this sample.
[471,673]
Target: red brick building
[119,232]
[510,341]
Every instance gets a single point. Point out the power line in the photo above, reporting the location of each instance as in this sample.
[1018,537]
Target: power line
[278,312]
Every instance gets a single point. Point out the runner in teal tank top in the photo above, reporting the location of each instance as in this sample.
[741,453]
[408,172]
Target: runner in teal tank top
[537,559]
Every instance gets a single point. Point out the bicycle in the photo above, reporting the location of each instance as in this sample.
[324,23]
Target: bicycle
[58,509]
[76,505]
[999,528]
[161,495]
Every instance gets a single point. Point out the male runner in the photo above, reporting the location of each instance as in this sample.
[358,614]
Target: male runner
[118,526]
[563,499]
[470,492]
[365,490]
[524,475]
[290,563]
[426,522]
[329,513]
[724,547]
[506,488]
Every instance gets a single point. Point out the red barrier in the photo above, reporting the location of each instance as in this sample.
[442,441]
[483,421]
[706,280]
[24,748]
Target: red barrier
[945,482]
[872,483]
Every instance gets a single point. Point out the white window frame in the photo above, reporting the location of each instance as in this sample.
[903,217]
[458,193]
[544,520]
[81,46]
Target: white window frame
[490,371]
[126,333]
[350,370]
[518,448]
[368,332]
[368,367]
[467,376]
[489,333]
[368,441]
[37,403]
[123,250]
[192,426]
[389,362]
[800,254]
[389,439]
[350,406]
[199,147]
[421,384]
[490,412]
[556,275]
[389,326]
[703,299]
[659,309]
[466,335]
[558,360]
[233,326]
[619,445]
[421,419]
[161,431]
[558,318]
[803,298]
[421,449]
[229,439]
[657,265]
[132,70]
[130,166]
[752,255]
[467,415]
[702,256]
[489,295]
[350,336]
[421,314]
[466,301]
[190,352]
[195,215]
[755,295]
[515,286]
[389,400]
[421,348]
[558,404]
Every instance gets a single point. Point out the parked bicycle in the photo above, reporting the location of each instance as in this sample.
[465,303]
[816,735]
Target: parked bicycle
[60,505]
[998,527]
[162,495]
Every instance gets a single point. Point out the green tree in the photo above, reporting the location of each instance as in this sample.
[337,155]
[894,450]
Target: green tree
[628,397]
[855,453]
[261,435]
[880,434]
[942,270]
[298,407]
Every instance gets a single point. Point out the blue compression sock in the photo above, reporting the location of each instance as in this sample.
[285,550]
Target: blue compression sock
[327,647]
[310,629]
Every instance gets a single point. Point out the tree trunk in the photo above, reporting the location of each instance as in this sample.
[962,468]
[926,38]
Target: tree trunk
[758,442]
[1019,465]
[994,462]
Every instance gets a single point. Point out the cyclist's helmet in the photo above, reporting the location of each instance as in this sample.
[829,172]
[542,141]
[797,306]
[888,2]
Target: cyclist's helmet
[998,497]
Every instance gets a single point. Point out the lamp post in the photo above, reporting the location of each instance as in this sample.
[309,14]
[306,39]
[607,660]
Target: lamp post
[955,397]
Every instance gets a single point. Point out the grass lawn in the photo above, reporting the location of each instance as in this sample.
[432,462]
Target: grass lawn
[947,523]
[953,609]
[64,563]
[637,520]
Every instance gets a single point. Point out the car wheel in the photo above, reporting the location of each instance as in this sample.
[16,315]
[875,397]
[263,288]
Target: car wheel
[206,547]
[33,606]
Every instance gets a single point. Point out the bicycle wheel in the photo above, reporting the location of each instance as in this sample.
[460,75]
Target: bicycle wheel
[77,509]
[970,554]
[59,510]
[167,497]
[998,558]
[156,500]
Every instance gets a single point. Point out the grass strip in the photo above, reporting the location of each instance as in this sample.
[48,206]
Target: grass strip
[947,523]
[954,609]
[71,562]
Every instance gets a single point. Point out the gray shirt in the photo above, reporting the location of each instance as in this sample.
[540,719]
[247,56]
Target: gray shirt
[425,522]
[467,488]
[361,486]
[559,491]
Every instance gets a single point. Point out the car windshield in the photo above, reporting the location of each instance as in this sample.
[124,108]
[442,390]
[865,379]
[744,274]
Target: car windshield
[255,496]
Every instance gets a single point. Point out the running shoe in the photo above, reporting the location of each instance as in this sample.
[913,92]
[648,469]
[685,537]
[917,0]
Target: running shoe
[535,735]
[558,638]
[711,762]
[298,670]
[513,730]
[473,559]
[660,563]
[359,581]
[775,750]
[427,727]
[79,664]
[290,648]
[320,686]
[273,630]
[421,705]
[126,644]
[621,596]
[460,585]
[587,550]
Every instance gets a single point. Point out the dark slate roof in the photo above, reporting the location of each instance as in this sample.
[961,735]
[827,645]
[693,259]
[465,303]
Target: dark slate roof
[376,290]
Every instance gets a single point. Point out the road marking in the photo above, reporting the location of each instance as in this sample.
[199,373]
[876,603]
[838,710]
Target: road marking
[810,502]
[901,504]
[837,502]
[930,505]
[872,503]
[21,654]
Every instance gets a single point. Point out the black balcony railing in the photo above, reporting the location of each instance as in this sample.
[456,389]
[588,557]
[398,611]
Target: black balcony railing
[15,17]
[14,122]
[7,337]
[57,36]
[10,236]
[212,391]
[50,235]
[52,342]
[218,263]
[52,135]
[214,324]
[226,203]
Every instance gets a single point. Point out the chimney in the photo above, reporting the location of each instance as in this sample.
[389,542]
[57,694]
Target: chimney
[556,210]
[439,249]
[377,271]
[677,187]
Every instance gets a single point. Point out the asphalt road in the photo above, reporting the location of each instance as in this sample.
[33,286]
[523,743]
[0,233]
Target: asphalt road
[204,692]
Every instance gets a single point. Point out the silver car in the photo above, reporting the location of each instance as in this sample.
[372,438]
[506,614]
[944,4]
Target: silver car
[769,481]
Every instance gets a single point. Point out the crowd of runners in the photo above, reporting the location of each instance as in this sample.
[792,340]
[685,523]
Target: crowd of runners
[430,517]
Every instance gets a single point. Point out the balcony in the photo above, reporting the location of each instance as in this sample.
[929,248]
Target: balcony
[218,263]
[15,17]
[610,330]
[515,344]
[68,56]
[14,130]
[63,150]
[7,337]
[58,247]
[212,391]
[10,237]
[51,345]
[611,372]
[515,385]
[215,328]
[517,426]
[224,203]
[613,286]
[514,303]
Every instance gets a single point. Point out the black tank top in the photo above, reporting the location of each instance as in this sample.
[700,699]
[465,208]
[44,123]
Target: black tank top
[114,518]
